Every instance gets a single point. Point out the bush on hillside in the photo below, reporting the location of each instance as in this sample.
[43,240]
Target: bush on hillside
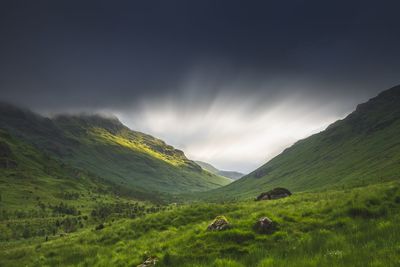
[366,213]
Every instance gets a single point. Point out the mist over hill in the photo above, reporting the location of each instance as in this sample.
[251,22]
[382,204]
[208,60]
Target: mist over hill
[362,148]
[106,148]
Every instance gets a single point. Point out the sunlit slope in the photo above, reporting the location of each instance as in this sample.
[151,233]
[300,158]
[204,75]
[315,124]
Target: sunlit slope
[362,148]
[111,151]
[30,179]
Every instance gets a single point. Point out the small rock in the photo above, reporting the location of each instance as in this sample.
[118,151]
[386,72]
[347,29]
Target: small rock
[149,262]
[219,223]
[264,225]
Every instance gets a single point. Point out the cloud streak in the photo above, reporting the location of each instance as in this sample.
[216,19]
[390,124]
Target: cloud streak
[231,131]
[229,82]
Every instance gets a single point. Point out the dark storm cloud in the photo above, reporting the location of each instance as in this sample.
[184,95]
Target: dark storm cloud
[232,83]
[72,54]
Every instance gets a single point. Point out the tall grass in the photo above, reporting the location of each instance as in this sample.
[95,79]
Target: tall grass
[358,227]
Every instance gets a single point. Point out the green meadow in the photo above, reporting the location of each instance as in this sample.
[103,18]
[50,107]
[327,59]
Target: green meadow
[348,227]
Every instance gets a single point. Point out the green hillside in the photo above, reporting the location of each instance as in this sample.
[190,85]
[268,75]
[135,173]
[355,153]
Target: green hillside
[41,196]
[357,227]
[229,174]
[207,166]
[360,149]
[28,177]
[110,151]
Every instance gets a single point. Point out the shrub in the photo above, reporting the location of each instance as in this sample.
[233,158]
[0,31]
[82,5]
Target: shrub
[362,212]
[99,227]
[26,233]
[167,259]
[367,213]
[373,201]
[69,224]
[63,208]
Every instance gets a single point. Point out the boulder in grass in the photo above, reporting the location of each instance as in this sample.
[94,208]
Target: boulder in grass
[152,261]
[275,193]
[264,225]
[219,223]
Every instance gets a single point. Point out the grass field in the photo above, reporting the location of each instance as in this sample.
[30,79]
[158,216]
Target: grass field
[349,227]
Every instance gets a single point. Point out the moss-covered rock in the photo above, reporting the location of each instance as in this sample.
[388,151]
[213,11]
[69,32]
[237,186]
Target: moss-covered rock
[265,225]
[219,223]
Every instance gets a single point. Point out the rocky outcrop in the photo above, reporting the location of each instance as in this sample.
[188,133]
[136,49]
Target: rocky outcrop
[275,193]
[264,225]
[219,223]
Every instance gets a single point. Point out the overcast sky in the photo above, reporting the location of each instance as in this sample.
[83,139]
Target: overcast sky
[229,82]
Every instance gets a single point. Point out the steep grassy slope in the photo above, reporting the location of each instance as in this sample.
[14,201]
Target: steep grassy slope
[357,227]
[229,174]
[31,177]
[108,149]
[111,150]
[40,196]
[360,149]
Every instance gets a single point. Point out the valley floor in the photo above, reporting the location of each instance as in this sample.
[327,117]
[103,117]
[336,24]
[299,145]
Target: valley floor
[350,227]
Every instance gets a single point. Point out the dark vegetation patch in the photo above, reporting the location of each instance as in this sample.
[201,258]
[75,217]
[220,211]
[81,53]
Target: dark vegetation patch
[367,213]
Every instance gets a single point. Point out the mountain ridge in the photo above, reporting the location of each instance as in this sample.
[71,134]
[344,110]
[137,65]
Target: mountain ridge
[110,150]
[234,175]
[361,148]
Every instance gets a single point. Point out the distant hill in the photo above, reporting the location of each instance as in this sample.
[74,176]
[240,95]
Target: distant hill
[229,174]
[107,149]
[360,149]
